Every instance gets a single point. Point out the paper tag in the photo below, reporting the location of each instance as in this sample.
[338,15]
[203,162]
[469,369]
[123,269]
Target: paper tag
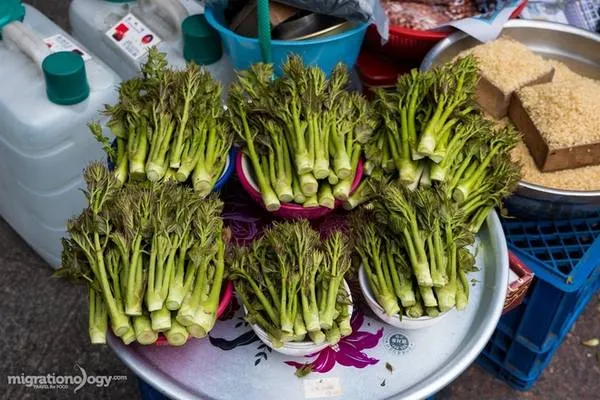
[512,277]
[133,37]
[323,387]
[544,12]
[193,6]
[60,42]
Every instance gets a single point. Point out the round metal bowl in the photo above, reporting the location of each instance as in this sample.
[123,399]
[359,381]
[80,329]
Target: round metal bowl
[576,48]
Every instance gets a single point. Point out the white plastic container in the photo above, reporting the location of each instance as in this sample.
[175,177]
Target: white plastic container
[93,23]
[44,146]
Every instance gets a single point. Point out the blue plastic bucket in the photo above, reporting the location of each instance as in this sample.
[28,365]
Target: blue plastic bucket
[324,52]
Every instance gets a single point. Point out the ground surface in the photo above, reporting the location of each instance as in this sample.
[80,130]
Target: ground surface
[43,329]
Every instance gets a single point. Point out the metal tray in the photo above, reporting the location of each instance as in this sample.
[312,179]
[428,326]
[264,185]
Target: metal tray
[377,361]
[580,51]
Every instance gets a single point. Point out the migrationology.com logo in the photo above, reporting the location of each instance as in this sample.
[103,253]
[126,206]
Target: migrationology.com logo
[53,381]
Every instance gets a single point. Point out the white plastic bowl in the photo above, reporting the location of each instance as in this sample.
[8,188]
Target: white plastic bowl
[297,349]
[394,320]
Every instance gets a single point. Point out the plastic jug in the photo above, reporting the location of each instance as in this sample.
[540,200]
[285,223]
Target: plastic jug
[48,94]
[120,31]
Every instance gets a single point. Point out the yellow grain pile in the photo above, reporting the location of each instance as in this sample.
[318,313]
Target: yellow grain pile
[508,64]
[584,178]
[566,111]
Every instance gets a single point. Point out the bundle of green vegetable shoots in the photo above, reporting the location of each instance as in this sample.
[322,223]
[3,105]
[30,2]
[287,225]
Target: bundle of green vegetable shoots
[302,132]
[152,257]
[292,284]
[169,126]
[432,134]
[413,246]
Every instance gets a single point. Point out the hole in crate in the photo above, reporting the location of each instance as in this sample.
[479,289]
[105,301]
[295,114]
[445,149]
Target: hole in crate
[515,230]
[544,256]
[595,226]
[553,241]
[580,227]
[520,243]
[565,268]
[567,241]
[575,254]
[532,230]
[506,342]
[564,228]
[586,239]
[547,230]
[536,243]
[498,353]
[559,255]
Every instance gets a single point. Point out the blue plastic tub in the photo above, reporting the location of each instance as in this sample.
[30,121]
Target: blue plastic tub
[325,52]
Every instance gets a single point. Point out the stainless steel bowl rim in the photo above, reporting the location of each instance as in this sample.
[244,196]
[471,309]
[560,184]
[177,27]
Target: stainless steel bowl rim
[516,23]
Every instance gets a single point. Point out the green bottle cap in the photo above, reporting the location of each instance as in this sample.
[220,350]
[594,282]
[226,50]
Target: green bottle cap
[201,43]
[10,11]
[66,80]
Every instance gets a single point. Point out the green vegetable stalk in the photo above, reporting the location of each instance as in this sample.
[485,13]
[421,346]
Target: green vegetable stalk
[211,158]
[342,189]
[142,326]
[337,259]
[400,273]
[91,232]
[280,165]
[161,319]
[169,125]
[398,206]
[476,173]
[177,335]
[290,283]
[206,315]
[247,134]
[317,131]
[325,196]
[369,247]
[98,317]
[158,243]
[164,125]
[190,86]
[453,85]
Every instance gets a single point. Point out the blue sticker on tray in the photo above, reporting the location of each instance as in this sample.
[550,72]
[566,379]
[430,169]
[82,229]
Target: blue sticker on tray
[398,343]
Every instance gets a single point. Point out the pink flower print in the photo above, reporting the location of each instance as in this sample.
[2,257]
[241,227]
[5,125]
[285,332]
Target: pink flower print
[348,352]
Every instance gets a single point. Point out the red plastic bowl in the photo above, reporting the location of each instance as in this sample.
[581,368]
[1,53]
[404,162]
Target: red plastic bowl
[226,295]
[411,44]
[287,210]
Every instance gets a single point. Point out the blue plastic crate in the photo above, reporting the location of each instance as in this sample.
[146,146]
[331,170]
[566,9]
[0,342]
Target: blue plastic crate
[565,258]
[149,393]
[500,373]
[563,253]
[511,360]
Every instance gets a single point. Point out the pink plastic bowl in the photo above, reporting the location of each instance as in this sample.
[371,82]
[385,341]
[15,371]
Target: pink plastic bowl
[226,295]
[287,210]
